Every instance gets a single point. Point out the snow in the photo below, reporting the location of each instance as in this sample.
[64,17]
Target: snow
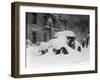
[43,46]
[74,57]
[35,59]
[58,42]
[64,33]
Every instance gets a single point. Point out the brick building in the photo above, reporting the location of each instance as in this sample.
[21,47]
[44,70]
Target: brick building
[42,27]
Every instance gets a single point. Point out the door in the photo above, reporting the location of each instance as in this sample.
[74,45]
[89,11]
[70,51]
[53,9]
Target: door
[45,37]
[34,36]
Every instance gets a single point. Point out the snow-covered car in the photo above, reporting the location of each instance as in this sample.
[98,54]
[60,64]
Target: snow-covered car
[56,44]
[63,42]
[71,40]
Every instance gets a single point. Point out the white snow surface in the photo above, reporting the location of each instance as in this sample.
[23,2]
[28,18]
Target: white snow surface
[64,33]
[58,42]
[74,57]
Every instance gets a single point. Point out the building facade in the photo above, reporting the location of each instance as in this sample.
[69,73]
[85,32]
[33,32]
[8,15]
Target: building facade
[42,27]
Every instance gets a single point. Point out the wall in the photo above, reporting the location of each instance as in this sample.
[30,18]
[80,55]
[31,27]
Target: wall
[5,40]
[38,27]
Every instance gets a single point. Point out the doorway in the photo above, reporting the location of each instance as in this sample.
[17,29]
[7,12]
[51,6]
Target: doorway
[34,37]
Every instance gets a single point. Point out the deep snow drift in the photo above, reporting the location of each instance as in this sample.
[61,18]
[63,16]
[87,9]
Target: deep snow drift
[33,58]
[74,57]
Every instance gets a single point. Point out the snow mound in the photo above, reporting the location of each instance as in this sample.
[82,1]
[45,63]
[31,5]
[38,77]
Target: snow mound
[64,33]
[43,45]
[58,42]
[35,59]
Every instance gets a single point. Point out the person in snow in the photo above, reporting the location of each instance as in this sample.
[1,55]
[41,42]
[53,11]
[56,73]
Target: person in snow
[85,41]
[88,40]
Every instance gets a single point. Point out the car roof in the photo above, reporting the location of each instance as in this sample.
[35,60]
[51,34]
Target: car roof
[66,33]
